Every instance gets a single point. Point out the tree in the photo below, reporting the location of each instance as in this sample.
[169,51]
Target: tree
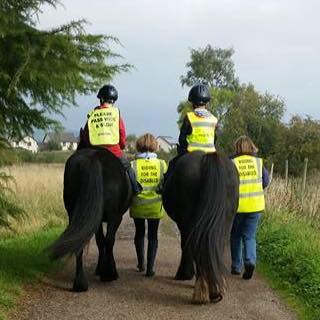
[299,139]
[8,209]
[213,66]
[255,115]
[43,71]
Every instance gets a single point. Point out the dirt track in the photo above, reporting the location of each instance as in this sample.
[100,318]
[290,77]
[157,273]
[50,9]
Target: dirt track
[134,296]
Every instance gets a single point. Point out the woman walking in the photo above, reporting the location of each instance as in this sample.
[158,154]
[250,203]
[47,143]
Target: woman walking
[147,206]
[253,179]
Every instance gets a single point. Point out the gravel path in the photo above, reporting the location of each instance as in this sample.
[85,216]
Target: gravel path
[134,296]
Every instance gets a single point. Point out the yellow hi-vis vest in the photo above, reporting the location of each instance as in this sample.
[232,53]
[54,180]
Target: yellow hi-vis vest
[203,131]
[251,195]
[148,204]
[103,125]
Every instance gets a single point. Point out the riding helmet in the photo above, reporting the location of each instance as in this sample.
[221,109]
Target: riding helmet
[199,94]
[108,93]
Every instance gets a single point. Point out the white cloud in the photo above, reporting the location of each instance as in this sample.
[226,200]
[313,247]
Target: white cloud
[276,45]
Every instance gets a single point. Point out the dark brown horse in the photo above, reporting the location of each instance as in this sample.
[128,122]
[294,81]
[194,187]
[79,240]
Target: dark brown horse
[96,190]
[201,196]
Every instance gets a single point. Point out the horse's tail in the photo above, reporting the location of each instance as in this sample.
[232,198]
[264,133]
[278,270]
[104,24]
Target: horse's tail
[84,204]
[208,236]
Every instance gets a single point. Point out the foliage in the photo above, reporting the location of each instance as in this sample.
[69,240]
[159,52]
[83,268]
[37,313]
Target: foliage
[289,254]
[25,156]
[23,260]
[43,70]
[8,209]
[255,115]
[131,143]
[213,66]
[53,145]
[244,112]
[298,140]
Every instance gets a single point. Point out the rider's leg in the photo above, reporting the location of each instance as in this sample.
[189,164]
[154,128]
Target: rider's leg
[132,176]
[172,164]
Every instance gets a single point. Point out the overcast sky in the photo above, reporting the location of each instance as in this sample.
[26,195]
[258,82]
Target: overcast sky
[276,44]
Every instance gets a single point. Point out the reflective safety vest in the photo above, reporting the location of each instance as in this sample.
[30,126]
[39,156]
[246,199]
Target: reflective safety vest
[203,132]
[148,204]
[103,125]
[251,195]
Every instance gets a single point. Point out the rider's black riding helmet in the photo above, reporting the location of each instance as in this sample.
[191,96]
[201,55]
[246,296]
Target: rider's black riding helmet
[199,95]
[108,93]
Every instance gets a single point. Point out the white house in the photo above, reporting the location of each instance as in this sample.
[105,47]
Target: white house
[66,140]
[27,143]
[166,143]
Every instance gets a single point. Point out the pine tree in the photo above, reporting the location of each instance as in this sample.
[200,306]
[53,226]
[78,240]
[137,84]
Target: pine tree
[42,71]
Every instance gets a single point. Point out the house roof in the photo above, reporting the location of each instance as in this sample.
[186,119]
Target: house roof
[60,137]
[168,139]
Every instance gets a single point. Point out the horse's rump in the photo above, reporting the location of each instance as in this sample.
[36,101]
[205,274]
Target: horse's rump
[95,190]
[201,196]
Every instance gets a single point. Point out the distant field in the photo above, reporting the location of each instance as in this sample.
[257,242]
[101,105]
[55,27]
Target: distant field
[42,156]
[38,190]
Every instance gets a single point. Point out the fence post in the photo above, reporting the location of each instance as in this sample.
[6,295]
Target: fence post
[304,180]
[286,172]
[271,173]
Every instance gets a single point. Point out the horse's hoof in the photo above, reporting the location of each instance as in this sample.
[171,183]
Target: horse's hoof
[109,278]
[80,288]
[215,298]
[180,277]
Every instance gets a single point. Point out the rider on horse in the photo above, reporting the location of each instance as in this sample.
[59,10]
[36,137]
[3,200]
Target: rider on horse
[198,130]
[105,128]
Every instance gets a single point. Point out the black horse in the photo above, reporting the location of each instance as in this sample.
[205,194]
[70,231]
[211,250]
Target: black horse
[96,190]
[201,196]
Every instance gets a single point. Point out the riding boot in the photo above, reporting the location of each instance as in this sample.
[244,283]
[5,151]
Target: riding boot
[171,167]
[152,252]
[136,186]
[139,244]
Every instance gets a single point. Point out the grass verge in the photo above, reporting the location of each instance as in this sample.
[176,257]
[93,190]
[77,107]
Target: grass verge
[289,254]
[23,261]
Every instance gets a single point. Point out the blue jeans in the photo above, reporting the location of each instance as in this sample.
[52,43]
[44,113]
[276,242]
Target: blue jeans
[243,240]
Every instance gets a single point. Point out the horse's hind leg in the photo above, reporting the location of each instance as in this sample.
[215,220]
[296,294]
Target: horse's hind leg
[101,245]
[108,266]
[186,268]
[80,283]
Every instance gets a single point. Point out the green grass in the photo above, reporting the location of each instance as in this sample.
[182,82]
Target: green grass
[42,156]
[289,257]
[23,261]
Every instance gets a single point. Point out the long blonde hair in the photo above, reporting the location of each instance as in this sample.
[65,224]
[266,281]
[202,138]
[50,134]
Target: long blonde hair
[244,145]
[147,143]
